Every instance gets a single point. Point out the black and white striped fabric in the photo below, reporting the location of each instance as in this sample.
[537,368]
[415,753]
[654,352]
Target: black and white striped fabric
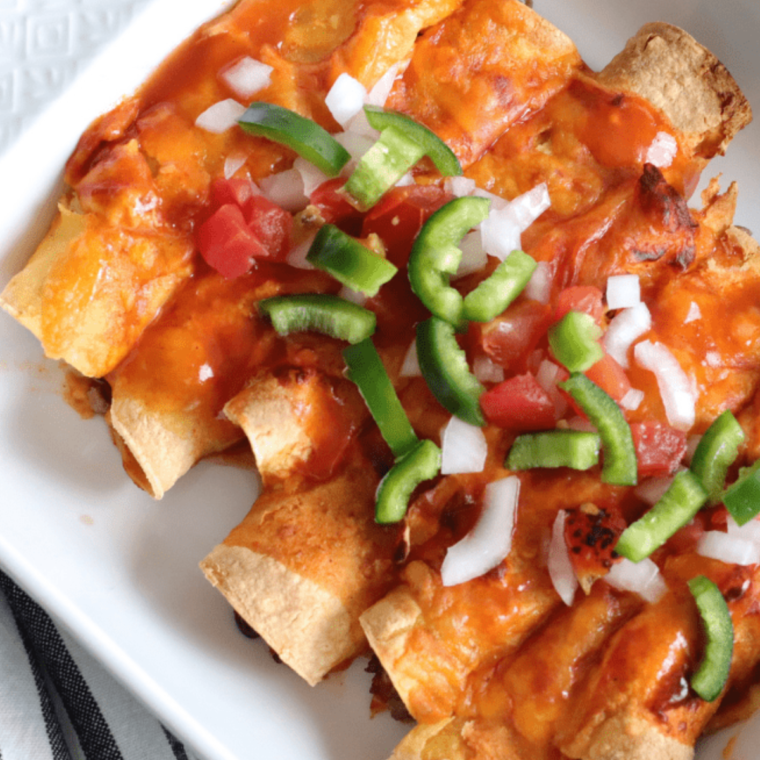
[57,703]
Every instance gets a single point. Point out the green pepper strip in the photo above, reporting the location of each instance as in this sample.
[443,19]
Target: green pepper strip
[435,255]
[676,508]
[742,499]
[712,674]
[620,465]
[350,262]
[365,368]
[440,154]
[444,366]
[574,341]
[381,167]
[326,314]
[492,296]
[302,135]
[422,463]
[716,452]
[555,448]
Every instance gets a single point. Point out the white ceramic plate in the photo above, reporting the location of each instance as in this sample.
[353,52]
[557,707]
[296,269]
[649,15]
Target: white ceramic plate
[120,570]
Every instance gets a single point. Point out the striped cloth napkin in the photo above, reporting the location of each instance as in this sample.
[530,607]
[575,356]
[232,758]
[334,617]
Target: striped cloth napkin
[56,701]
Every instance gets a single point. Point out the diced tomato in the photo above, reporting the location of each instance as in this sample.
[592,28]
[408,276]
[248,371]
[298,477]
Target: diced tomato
[227,243]
[399,216]
[585,298]
[510,339]
[685,539]
[610,377]
[519,403]
[659,448]
[237,191]
[334,207]
[271,224]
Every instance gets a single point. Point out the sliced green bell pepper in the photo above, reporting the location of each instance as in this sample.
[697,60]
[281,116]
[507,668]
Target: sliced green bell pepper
[350,262]
[366,369]
[492,296]
[435,255]
[304,136]
[710,678]
[554,448]
[325,314]
[620,465]
[422,463]
[716,452]
[676,508]
[444,366]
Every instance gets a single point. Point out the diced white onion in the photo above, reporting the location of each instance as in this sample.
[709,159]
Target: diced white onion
[232,164]
[625,328]
[750,531]
[502,229]
[411,365]
[406,180]
[247,77]
[487,371]
[678,396]
[581,424]
[356,143]
[474,258]
[539,286]
[347,294]
[459,186]
[221,116]
[382,88]
[497,202]
[694,314]
[311,176]
[500,234]
[728,548]
[651,490]
[490,541]
[632,400]
[346,98]
[463,448]
[662,151]
[526,208]
[643,578]
[297,255]
[691,446]
[285,189]
[547,377]
[560,568]
[623,291]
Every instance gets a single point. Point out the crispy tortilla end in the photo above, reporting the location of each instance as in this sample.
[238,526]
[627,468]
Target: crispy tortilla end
[626,736]
[669,68]
[388,625]
[23,296]
[308,627]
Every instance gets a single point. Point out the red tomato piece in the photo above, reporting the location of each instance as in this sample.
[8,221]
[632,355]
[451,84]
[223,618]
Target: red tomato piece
[585,298]
[399,216]
[519,403]
[271,224]
[510,339]
[227,243]
[237,191]
[659,448]
[610,377]
[334,208]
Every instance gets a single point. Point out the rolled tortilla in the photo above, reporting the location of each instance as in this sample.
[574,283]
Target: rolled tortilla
[302,567]
[669,68]
[480,70]
[87,293]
